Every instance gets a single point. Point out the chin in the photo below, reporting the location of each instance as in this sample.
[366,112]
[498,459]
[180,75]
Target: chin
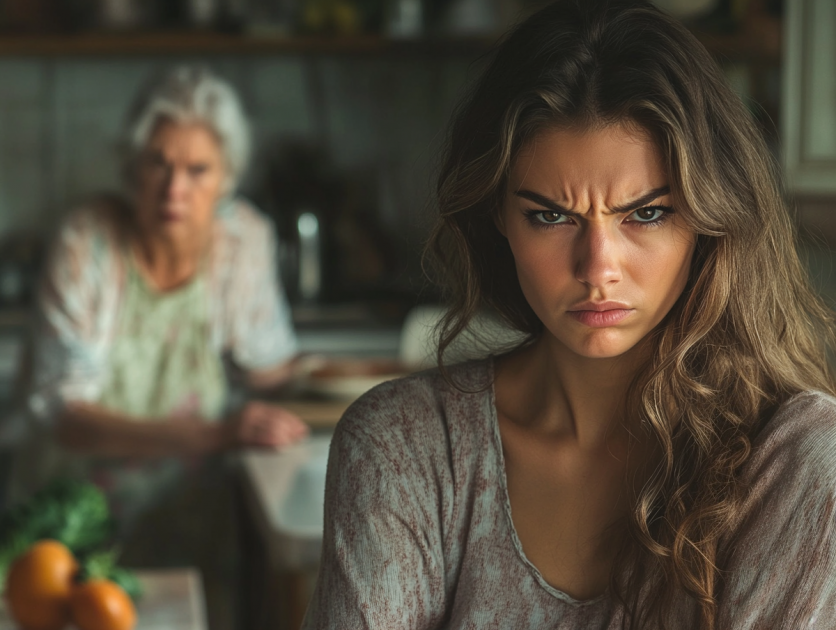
[175,228]
[600,344]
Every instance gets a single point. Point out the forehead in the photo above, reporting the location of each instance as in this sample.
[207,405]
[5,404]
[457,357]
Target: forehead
[603,159]
[169,136]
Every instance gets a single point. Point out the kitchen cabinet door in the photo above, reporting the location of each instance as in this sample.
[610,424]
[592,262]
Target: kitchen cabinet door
[809,96]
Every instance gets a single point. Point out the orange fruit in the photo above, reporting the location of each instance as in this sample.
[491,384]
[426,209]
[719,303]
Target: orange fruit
[100,604]
[39,584]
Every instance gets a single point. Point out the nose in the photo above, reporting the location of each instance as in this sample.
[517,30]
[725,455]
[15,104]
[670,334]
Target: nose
[177,183]
[597,257]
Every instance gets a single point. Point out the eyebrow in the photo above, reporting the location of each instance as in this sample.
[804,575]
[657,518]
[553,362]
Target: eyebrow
[630,206]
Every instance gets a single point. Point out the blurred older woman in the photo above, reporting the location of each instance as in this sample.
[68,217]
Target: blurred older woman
[146,304]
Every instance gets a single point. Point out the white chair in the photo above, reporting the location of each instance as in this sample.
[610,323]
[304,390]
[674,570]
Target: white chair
[485,335]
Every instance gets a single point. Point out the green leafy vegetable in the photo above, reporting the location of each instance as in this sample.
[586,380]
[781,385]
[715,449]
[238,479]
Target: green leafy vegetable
[102,564]
[76,514]
[71,512]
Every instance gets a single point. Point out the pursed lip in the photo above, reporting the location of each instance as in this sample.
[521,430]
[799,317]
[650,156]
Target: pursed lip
[600,314]
[169,215]
[600,306]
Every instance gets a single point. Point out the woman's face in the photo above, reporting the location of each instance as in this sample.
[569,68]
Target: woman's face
[601,255]
[181,176]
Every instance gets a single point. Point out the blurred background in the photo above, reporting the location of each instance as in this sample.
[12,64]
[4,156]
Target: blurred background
[349,101]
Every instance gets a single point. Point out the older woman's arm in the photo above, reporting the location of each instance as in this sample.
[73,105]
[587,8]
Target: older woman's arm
[276,376]
[94,430]
[260,337]
[299,366]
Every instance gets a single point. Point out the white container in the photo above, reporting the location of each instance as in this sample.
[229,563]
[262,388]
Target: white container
[405,19]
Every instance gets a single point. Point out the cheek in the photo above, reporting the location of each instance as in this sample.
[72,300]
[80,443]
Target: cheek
[544,266]
[210,185]
[662,271]
[206,194]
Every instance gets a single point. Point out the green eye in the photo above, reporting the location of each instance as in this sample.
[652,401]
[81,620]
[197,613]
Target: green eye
[550,218]
[649,214]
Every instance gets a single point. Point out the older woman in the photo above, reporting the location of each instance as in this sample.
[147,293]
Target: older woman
[146,304]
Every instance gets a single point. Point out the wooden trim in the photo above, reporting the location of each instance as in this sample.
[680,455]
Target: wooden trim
[743,46]
[178,43]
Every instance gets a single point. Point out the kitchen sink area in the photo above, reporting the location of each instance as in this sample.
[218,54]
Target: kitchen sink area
[354,329]
[351,341]
[288,490]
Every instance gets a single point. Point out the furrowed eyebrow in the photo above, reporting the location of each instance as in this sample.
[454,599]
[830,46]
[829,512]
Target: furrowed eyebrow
[643,200]
[622,209]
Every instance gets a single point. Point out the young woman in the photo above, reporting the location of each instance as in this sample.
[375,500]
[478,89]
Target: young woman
[661,451]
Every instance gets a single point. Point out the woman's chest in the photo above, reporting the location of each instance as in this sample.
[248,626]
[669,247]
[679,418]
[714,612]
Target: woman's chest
[568,511]
[494,566]
[161,360]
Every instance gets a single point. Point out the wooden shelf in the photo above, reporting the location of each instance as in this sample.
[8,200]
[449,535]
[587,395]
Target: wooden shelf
[744,46]
[760,44]
[202,43]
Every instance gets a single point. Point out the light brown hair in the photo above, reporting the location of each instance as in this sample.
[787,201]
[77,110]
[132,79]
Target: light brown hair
[747,333]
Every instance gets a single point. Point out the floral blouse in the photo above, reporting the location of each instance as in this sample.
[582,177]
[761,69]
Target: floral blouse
[86,280]
[106,337]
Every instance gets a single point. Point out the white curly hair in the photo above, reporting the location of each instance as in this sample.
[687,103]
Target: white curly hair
[188,95]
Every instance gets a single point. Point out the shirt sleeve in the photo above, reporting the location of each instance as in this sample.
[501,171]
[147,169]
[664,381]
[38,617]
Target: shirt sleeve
[263,334]
[70,341]
[782,569]
[380,569]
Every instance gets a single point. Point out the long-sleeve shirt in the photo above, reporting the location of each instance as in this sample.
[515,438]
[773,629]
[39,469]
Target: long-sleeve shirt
[419,535]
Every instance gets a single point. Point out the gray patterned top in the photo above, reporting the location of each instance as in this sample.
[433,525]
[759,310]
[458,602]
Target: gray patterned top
[418,530]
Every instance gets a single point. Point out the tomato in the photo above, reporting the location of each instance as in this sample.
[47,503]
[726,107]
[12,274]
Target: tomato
[39,584]
[100,604]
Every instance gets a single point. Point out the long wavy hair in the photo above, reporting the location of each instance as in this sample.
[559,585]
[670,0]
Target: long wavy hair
[748,331]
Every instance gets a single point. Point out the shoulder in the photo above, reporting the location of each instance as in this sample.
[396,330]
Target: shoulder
[89,235]
[793,460]
[419,412]
[783,541]
[801,435]
[241,221]
[244,243]
[102,219]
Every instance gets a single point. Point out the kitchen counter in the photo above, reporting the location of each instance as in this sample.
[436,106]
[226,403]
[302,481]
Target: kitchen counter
[172,600]
[350,341]
[283,494]
[317,414]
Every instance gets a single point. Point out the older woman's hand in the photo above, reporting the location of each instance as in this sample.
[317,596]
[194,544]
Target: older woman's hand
[266,425]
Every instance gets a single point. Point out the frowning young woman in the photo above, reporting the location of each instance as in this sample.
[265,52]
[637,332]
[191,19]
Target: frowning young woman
[660,450]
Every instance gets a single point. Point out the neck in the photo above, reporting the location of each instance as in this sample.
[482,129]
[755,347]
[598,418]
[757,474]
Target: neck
[557,392]
[168,262]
